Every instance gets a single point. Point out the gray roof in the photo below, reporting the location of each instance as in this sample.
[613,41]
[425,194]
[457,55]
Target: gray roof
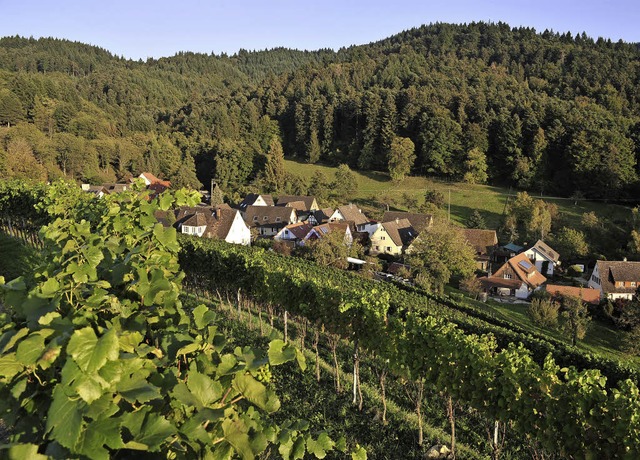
[251,198]
[400,231]
[418,220]
[256,216]
[352,213]
[307,200]
[544,249]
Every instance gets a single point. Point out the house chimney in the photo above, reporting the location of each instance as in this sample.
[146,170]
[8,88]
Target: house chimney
[624,259]
[397,220]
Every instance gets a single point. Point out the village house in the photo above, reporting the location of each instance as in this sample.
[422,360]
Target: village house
[484,244]
[392,238]
[350,213]
[97,190]
[269,220]
[616,279]
[300,202]
[320,216]
[419,221]
[221,223]
[294,232]
[254,199]
[517,277]
[544,257]
[320,231]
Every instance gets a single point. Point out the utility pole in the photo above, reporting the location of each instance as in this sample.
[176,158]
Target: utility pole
[449,204]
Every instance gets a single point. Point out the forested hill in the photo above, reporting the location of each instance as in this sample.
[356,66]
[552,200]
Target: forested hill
[481,102]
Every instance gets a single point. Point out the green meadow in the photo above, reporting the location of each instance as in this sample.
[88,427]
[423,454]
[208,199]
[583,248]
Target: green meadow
[376,190]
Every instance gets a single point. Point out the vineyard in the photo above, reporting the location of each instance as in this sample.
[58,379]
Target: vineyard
[99,356]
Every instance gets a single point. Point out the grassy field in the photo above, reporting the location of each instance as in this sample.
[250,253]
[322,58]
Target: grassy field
[375,189]
[600,339]
[15,258]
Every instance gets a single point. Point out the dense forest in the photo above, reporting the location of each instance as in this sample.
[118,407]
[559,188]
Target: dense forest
[545,112]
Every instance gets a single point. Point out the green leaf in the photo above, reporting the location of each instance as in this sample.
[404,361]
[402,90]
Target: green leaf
[9,365]
[91,353]
[30,349]
[298,449]
[320,446]
[50,287]
[280,352]
[64,418]
[98,434]
[203,316]
[166,237]
[302,362]
[165,200]
[136,388]
[154,432]
[25,452]
[204,389]
[89,387]
[11,338]
[235,432]
[256,392]
[359,453]
[223,451]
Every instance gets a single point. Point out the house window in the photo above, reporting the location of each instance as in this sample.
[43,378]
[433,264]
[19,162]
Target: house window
[377,248]
[388,248]
[382,238]
[286,232]
[507,276]
[633,284]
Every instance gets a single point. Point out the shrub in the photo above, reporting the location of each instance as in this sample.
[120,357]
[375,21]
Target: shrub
[544,312]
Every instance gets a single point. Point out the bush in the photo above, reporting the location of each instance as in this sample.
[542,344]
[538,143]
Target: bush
[544,312]
[574,270]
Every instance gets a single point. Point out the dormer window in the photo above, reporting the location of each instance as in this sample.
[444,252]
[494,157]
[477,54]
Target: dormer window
[265,218]
[278,219]
[255,218]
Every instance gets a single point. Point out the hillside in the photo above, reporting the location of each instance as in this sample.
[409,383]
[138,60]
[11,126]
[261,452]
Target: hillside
[545,112]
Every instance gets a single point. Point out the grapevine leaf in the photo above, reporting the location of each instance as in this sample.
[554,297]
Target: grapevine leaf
[98,434]
[149,430]
[91,353]
[203,316]
[256,392]
[223,451]
[50,287]
[298,449]
[25,451]
[136,388]
[280,352]
[166,237]
[9,365]
[64,419]
[359,454]
[204,389]
[235,432]
[10,338]
[30,349]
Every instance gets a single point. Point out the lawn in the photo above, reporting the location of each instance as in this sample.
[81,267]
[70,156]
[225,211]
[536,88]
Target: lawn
[375,189]
[600,339]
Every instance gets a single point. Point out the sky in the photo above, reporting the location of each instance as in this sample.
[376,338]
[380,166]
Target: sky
[139,29]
